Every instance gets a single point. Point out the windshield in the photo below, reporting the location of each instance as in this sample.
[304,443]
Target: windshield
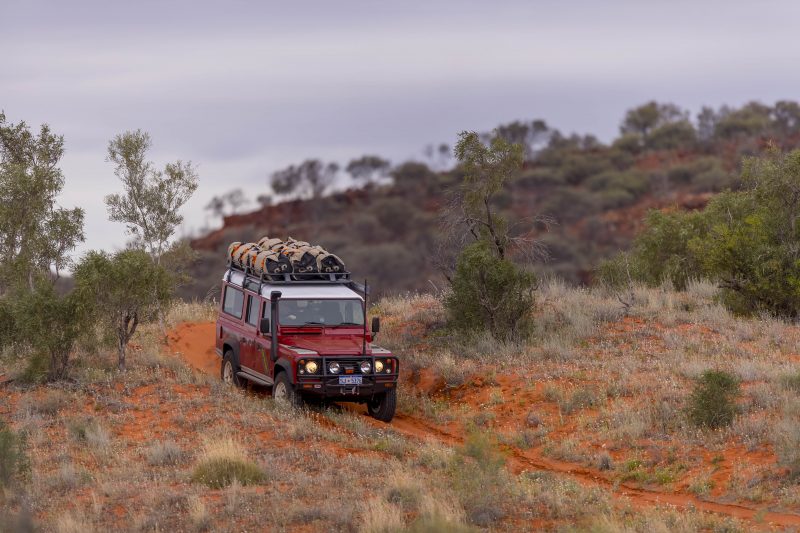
[320,312]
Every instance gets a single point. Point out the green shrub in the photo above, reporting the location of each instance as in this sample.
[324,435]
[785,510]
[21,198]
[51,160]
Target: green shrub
[490,293]
[663,252]
[222,462]
[712,403]
[746,241]
[220,472]
[7,324]
[14,464]
[673,135]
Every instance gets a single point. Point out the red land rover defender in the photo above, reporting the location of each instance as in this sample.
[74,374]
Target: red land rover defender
[304,338]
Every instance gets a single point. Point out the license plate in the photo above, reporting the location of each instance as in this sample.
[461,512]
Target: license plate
[349,380]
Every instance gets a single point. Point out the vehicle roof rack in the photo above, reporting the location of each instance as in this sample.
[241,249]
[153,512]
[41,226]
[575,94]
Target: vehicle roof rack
[294,278]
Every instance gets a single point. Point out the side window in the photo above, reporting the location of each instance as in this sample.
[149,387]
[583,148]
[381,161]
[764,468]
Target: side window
[232,304]
[252,310]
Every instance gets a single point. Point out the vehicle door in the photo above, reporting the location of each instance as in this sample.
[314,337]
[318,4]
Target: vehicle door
[263,345]
[249,353]
[232,309]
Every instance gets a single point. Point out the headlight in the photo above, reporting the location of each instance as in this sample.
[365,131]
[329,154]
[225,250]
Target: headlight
[365,367]
[311,367]
[379,366]
[334,368]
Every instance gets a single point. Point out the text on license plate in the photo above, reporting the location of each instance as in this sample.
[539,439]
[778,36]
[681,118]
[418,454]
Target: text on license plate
[349,380]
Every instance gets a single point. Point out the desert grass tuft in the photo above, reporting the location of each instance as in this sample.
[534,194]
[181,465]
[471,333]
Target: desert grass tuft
[163,453]
[224,460]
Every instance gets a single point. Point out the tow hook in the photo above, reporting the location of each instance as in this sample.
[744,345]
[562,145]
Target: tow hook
[349,390]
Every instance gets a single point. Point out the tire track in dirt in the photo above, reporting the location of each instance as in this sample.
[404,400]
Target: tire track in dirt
[193,343]
[520,461]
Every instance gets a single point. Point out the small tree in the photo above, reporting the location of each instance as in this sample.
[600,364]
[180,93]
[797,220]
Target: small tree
[36,236]
[121,291]
[488,290]
[50,324]
[486,169]
[235,199]
[216,205]
[150,204]
[310,178]
[368,169]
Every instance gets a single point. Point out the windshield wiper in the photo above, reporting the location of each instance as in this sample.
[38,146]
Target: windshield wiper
[346,324]
[313,324]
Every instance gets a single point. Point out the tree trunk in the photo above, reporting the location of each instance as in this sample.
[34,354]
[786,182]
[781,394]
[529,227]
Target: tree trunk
[58,365]
[121,355]
[125,330]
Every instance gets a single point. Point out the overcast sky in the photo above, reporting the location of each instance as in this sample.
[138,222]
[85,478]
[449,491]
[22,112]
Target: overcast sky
[244,88]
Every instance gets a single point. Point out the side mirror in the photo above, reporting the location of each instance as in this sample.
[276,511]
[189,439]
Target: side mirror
[263,326]
[376,324]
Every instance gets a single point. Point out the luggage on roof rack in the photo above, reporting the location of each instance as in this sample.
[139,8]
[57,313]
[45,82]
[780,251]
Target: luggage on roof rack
[274,260]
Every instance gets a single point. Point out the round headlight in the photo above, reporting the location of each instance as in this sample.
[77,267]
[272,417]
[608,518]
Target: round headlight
[379,366]
[311,367]
[334,368]
[365,367]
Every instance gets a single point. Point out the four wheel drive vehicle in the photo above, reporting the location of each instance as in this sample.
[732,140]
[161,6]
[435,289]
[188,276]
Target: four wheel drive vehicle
[305,339]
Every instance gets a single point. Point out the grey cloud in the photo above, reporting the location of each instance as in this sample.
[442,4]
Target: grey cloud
[243,88]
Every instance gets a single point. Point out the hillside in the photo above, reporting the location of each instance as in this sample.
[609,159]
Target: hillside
[593,195]
[585,427]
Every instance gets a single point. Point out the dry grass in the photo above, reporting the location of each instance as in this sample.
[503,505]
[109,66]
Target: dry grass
[591,376]
[224,460]
[162,453]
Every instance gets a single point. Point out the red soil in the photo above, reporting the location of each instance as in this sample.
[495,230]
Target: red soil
[194,343]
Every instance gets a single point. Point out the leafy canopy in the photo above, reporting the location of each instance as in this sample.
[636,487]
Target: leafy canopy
[121,290]
[486,169]
[36,235]
[150,204]
[748,241]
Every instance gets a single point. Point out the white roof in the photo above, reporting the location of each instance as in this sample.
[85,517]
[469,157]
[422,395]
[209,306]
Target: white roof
[303,290]
[309,291]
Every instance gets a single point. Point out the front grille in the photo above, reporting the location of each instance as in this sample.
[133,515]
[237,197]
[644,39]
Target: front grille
[349,367]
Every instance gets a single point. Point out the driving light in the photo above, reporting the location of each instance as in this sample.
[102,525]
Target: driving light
[378,366]
[334,368]
[365,367]
[311,367]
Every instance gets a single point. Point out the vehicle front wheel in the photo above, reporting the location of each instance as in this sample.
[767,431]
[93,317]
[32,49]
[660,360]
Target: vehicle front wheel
[382,407]
[228,371]
[283,393]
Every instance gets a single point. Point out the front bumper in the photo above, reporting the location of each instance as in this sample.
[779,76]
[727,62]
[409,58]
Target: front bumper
[328,385]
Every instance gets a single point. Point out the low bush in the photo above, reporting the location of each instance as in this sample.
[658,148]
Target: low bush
[490,293]
[712,403]
[222,462]
[14,464]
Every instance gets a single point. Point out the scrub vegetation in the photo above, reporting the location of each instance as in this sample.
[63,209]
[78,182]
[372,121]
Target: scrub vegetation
[526,402]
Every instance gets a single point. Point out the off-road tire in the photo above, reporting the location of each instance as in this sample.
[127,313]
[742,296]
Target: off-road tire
[283,393]
[382,407]
[228,370]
